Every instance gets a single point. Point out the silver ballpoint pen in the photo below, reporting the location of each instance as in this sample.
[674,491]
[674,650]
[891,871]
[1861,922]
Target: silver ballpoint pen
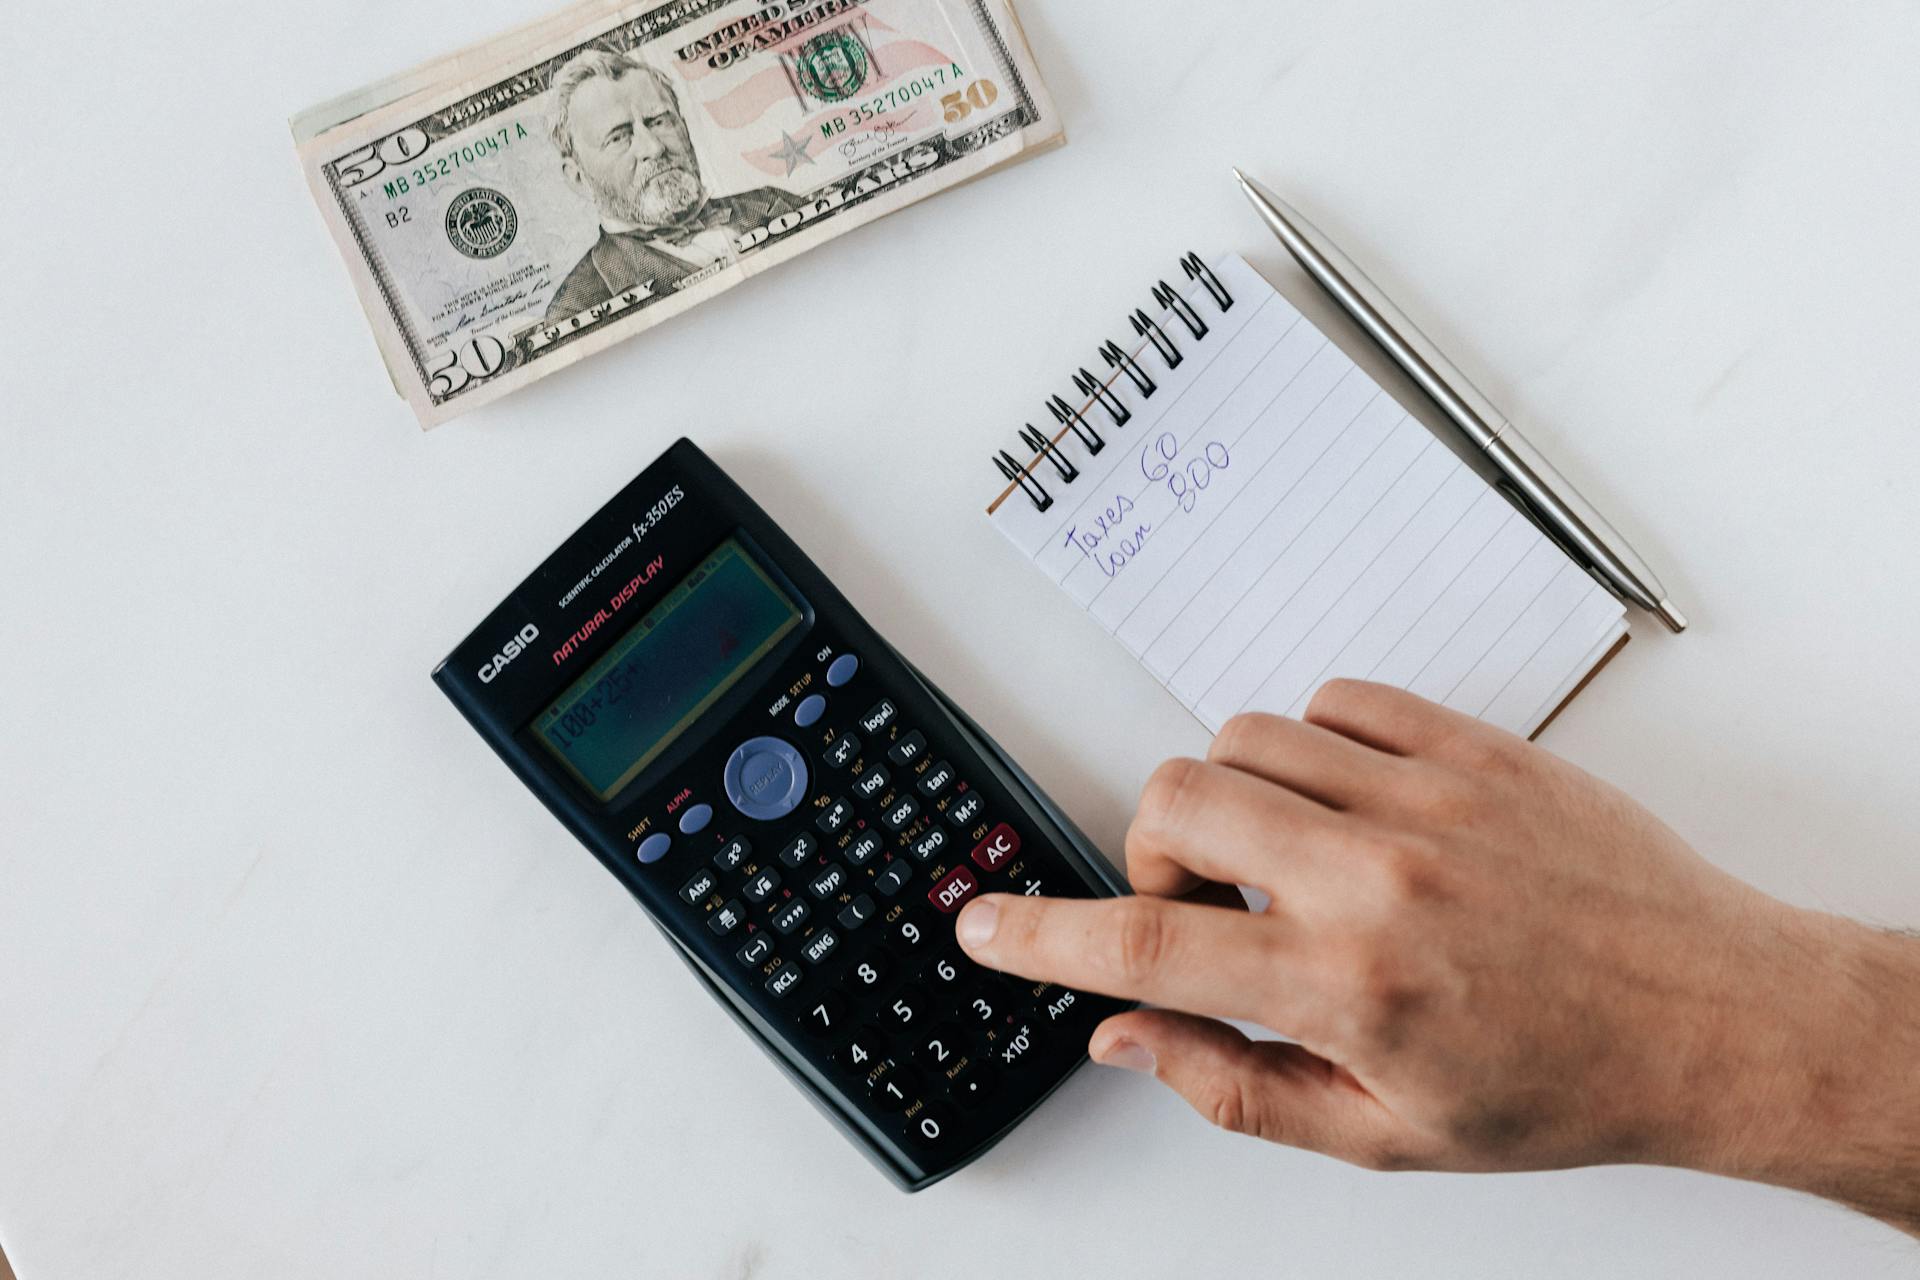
[1528,478]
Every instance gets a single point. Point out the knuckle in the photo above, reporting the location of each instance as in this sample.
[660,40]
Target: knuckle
[1404,872]
[1444,798]
[1228,1104]
[1167,792]
[1384,993]
[1022,928]
[1140,940]
[1338,698]
[1486,752]
[1239,739]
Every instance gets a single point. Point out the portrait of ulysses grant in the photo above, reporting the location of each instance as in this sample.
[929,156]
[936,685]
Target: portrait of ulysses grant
[624,145]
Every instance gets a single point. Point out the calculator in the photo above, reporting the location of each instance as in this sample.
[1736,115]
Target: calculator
[797,807]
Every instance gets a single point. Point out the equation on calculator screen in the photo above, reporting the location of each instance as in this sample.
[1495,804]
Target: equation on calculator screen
[665,673]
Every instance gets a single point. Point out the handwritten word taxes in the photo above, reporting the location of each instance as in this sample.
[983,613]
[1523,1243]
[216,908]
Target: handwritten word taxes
[1115,535]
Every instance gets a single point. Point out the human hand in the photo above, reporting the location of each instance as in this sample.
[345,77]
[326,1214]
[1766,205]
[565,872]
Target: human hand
[1489,959]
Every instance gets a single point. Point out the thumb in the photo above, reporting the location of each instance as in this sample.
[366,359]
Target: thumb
[1277,1092]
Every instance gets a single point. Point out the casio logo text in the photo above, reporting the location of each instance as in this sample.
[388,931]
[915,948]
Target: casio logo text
[511,650]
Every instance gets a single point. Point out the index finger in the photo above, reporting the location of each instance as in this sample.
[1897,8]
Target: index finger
[1205,960]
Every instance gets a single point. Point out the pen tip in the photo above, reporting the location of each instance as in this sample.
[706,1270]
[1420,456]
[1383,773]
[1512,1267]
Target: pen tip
[1238,176]
[1675,620]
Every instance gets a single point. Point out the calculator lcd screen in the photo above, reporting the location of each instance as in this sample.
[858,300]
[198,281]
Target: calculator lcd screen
[663,674]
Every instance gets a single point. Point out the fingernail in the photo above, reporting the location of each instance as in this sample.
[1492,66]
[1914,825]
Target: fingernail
[977,923]
[1128,1056]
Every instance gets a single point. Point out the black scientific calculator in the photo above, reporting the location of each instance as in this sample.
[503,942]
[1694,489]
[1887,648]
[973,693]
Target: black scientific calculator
[797,808]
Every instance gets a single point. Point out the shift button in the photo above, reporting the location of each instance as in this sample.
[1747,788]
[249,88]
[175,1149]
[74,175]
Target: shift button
[695,820]
[654,848]
[843,670]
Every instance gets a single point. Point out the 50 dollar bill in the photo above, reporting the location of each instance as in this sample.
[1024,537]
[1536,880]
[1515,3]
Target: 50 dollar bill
[507,210]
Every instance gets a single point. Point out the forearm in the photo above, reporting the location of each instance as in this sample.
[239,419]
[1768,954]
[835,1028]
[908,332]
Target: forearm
[1830,1102]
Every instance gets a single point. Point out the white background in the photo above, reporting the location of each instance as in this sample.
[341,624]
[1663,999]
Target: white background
[296,981]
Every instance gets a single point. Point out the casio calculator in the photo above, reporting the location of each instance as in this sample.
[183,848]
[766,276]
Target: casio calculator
[798,809]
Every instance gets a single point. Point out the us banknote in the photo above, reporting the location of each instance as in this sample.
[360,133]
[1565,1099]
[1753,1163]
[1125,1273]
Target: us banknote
[509,209]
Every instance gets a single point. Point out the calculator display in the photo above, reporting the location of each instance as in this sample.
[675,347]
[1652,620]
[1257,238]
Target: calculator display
[662,676]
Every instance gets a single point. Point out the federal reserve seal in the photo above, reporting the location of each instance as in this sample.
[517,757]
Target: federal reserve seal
[481,223]
[833,67]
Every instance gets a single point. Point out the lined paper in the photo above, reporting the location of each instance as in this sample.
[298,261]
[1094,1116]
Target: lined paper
[1270,518]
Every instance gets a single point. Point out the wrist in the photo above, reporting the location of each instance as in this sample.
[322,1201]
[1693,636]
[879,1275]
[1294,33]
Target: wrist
[1822,1045]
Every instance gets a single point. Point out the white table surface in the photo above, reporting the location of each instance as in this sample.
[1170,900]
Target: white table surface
[296,981]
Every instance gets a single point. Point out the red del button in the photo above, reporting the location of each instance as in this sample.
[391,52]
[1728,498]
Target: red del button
[997,849]
[952,893]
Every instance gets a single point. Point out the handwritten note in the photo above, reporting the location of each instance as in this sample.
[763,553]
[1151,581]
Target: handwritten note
[1269,518]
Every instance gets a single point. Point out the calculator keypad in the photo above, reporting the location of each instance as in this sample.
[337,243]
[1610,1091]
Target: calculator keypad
[846,921]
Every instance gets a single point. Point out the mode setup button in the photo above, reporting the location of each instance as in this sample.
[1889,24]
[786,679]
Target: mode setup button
[766,779]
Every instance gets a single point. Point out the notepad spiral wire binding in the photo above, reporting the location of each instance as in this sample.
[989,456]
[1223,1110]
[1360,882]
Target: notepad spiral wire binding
[1099,391]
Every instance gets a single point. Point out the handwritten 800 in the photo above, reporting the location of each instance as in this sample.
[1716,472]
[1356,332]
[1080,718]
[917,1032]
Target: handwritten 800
[1115,537]
[1160,461]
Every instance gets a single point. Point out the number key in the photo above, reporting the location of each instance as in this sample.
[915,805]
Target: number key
[909,935]
[862,1053]
[868,974]
[826,1015]
[939,1047]
[907,1005]
[948,969]
[894,1087]
[933,1126]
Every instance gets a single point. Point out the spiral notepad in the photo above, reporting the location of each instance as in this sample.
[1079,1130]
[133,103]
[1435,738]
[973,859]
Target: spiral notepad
[1251,515]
